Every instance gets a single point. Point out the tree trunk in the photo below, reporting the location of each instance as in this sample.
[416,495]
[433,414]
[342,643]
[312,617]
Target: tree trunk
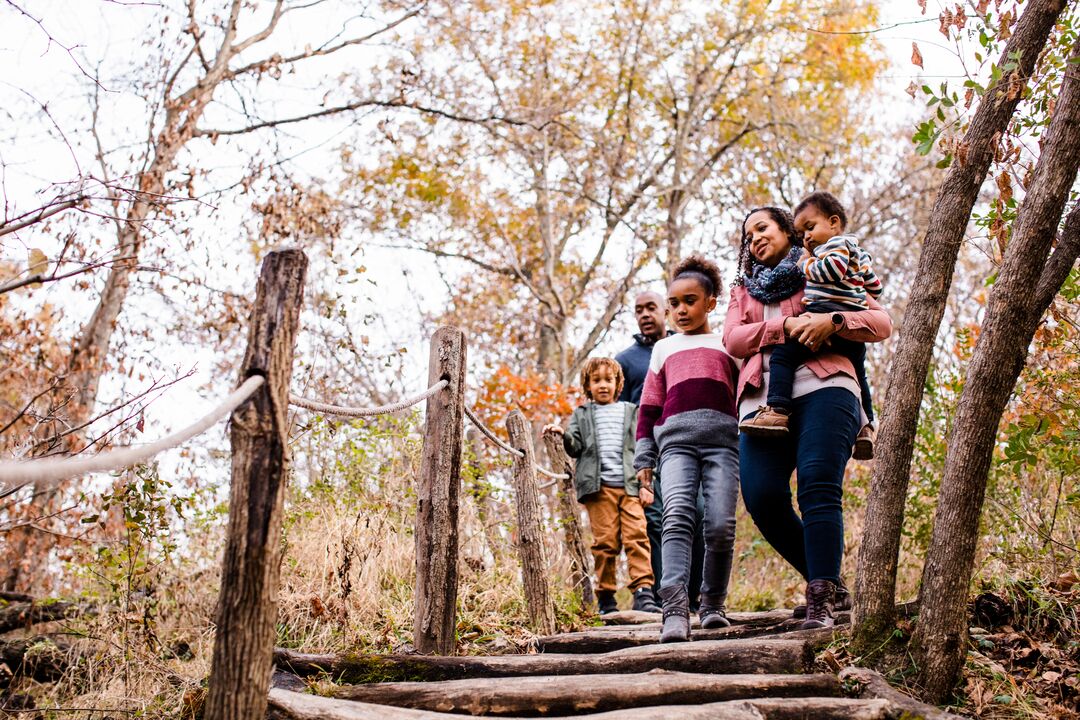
[530,529]
[247,604]
[875,586]
[1012,316]
[585,693]
[438,488]
[573,536]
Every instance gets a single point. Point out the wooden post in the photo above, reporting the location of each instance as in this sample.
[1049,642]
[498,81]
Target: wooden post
[530,531]
[580,572]
[437,498]
[247,604]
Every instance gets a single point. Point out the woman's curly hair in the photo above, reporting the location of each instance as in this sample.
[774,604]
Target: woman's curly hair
[593,364]
[783,219]
[705,272]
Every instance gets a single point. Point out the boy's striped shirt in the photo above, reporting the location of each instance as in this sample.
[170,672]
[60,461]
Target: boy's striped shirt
[840,271]
[609,442]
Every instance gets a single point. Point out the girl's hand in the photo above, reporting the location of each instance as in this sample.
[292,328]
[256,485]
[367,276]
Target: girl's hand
[646,496]
[553,429]
[812,329]
[644,476]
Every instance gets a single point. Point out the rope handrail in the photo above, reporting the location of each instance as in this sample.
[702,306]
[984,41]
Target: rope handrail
[491,435]
[343,411]
[510,449]
[49,472]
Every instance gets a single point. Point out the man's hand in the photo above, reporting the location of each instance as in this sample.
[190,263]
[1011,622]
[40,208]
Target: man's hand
[553,429]
[646,496]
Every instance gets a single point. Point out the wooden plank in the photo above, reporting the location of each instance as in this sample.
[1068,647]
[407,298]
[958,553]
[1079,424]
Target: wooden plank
[438,486]
[606,640]
[286,705]
[763,656]
[247,603]
[570,519]
[546,695]
[530,529]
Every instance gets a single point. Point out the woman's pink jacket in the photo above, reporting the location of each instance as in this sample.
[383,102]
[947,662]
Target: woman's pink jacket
[746,333]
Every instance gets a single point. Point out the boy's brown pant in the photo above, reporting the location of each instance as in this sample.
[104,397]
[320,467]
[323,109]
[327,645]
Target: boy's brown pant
[618,521]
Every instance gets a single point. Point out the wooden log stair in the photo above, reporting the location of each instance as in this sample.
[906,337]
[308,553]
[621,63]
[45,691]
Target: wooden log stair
[760,668]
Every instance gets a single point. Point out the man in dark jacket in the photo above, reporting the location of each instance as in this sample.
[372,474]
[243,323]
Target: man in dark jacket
[650,312]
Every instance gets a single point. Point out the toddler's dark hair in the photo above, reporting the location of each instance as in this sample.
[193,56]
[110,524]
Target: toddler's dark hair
[825,202]
[593,364]
[786,223]
[705,272]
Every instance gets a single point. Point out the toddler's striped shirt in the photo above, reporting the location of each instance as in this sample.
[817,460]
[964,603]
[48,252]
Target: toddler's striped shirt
[839,271]
[688,398]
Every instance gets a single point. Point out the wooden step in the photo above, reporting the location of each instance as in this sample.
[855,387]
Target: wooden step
[597,640]
[637,617]
[287,705]
[547,695]
[708,656]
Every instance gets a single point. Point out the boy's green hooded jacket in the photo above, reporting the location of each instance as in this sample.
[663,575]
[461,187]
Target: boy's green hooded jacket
[579,439]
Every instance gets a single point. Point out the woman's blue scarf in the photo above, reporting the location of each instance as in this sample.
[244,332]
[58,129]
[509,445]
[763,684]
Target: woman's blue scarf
[773,284]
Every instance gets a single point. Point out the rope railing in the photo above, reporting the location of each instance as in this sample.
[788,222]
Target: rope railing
[48,472]
[490,435]
[342,411]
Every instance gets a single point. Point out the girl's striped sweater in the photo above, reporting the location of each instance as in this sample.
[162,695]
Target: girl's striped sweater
[688,398]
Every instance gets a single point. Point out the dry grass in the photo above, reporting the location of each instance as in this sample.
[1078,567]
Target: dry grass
[348,575]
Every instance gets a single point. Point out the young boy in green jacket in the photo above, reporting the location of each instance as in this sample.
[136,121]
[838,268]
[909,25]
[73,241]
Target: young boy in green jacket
[601,436]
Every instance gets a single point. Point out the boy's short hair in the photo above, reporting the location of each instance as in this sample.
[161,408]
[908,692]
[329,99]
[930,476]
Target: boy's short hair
[595,364]
[827,203]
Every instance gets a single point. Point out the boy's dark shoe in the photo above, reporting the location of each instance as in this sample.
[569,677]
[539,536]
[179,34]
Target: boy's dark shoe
[864,443]
[643,600]
[676,614]
[841,602]
[712,613]
[819,604]
[605,599]
[769,422]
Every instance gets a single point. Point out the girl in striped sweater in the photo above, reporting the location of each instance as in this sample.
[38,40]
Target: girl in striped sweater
[687,427]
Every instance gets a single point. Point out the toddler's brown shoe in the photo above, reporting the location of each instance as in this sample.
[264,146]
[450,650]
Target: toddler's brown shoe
[769,421]
[864,443]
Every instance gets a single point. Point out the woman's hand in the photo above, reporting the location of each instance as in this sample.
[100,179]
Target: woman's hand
[646,496]
[811,329]
[644,476]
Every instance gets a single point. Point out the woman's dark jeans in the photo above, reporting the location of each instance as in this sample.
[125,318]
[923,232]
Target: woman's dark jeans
[822,429]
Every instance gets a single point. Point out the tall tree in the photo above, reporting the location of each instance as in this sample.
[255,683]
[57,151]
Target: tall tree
[580,143]
[875,588]
[1012,316]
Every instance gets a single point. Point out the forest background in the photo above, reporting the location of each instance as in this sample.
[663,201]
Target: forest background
[518,169]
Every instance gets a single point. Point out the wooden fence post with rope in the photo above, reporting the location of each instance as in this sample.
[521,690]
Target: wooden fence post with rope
[438,486]
[530,530]
[247,605]
[570,519]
